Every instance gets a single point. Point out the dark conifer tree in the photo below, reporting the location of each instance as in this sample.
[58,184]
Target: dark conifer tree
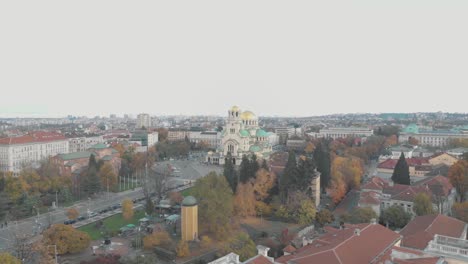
[401,172]
[244,171]
[230,172]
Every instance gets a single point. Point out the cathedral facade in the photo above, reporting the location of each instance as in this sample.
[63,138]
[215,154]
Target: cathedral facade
[241,136]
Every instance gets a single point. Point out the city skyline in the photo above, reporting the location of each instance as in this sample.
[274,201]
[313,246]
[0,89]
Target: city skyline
[273,58]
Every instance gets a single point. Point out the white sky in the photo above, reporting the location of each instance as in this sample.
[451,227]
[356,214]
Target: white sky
[289,58]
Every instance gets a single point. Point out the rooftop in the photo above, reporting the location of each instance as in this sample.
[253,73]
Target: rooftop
[33,137]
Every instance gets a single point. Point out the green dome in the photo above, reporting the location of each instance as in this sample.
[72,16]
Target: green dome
[262,133]
[189,201]
[255,148]
[411,128]
[244,133]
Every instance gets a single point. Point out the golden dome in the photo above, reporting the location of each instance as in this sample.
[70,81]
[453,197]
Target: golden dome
[247,115]
[235,109]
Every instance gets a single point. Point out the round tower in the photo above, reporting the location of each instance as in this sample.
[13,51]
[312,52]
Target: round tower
[189,227]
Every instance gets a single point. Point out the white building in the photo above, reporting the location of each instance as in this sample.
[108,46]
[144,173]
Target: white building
[343,132]
[241,136]
[212,138]
[435,138]
[153,138]
[143,120]
[30,149]
[83,143]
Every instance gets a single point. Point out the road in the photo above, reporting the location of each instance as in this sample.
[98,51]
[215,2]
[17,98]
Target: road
[189,172]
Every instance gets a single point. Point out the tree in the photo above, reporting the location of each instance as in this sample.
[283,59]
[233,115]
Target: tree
[67,238]
[92,163]
[458,176]
[108,176]
[310,147]
[161,238]
[230,172]
[127,209]
[289,176]
[324,216]
[263,183]
[6,258]
[244,171]
[460,211]
[182,249]
[395,216]
[413,141]
[244,201]
[253,166]
[242,245]
[72,213]
[306,212]
[337,189]
[363,215]
[264,165]
[401,172]
[322,157]
[205,241]
[175,197]
[422,204]
[92,183]
[215,204]
[305,174]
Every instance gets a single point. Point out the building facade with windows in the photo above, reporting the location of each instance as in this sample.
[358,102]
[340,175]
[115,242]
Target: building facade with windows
[435,138]
[83,143]
[143,120]
[211,138]
[343,132]
[15,152]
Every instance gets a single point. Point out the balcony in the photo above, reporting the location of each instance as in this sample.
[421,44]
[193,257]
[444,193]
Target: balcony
[449,246]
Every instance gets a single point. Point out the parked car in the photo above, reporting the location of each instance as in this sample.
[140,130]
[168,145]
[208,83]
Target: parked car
[70,222]
[92,214]
[81,218]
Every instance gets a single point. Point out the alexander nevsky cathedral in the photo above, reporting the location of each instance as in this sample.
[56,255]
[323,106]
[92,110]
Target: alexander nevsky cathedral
[241,136]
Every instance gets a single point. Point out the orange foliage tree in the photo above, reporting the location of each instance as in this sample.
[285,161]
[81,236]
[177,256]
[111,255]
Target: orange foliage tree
[157,239]
[458,175]
[460,211]
[72,213]
[127,209]
[67,238]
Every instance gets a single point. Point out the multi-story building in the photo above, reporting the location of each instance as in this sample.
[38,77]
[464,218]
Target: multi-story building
[83,143]
[15,152]
[286,132]
[343,132]
[177,135]
[153,138]
[435,138]
[144,138]
[143,120]
[212,138]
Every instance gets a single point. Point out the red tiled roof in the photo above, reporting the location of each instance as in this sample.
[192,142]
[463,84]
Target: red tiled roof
[369,198]
[259,259]
[412,162]
[422,229]
[375,183]
[439,185]
[429,260]
[39,136]
[289,249]
[342,246]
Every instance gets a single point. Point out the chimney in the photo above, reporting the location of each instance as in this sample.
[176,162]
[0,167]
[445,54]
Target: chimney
[357,232]
[373,221]
[262,250]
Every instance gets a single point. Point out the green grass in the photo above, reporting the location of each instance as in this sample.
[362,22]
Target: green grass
[112,224]
[187,192]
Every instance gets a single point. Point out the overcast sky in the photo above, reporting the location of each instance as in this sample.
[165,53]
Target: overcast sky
[285,58]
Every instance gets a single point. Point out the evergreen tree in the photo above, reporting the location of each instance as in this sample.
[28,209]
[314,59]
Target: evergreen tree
[4,206]
[92,162]
[92,182]
[265,165]
[230,173]
[254,167]
[401,172]
[288,176]
[305,173]
[244,171]
[322,158]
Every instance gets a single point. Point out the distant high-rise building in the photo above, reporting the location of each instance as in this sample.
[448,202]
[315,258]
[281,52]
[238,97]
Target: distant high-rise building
[144,120]
[112,116]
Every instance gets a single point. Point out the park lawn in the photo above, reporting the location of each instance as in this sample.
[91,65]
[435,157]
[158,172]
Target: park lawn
[113,224]
[187,192]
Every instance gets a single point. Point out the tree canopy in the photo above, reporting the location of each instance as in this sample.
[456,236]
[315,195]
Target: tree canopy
[67,238]
[422,204]
[401,171]
[458,175]
[395,216]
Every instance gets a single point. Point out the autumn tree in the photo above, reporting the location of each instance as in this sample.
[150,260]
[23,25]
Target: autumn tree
[460,211]
[215,204]
[6,258]
[244,201]
[395,216]
[182,249]
[175,197]
[67,238]
[127,209]
[299,208]
[108,177]
[458,175]
[401,172]
[230,172]
[422,204]
[413,141]
[161,238]
[363,215]
[205,241]
[242,245]
[324,217]
[310,147]
[72,213]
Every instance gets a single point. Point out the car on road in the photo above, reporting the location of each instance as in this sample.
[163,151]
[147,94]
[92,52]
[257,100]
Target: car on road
[69,222]
[92,214]
[81,218]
